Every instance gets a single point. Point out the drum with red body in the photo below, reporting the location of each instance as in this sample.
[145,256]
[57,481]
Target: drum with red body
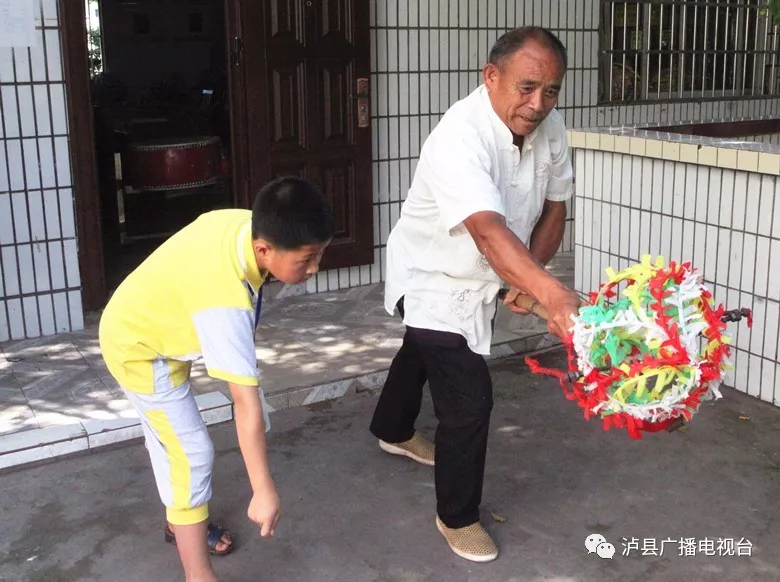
[173,163]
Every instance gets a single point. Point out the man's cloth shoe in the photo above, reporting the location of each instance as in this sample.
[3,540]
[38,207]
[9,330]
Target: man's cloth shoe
[471,542]
[417,448]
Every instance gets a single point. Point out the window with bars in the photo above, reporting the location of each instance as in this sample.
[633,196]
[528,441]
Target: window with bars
[675,50]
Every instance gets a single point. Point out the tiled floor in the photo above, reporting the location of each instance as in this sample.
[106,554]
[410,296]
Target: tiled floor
[310,348]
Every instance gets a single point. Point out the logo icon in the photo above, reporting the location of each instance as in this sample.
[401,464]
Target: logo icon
[605,550]
[592,542]
[597,544]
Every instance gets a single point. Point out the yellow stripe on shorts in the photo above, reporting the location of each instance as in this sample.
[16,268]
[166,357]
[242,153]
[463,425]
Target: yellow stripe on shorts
[180,464]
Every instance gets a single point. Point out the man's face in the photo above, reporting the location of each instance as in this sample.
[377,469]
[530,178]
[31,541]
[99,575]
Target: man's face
[525,88]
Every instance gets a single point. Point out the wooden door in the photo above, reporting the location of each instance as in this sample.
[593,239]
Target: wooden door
[305,69]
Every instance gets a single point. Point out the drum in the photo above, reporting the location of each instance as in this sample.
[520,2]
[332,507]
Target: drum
[173,163]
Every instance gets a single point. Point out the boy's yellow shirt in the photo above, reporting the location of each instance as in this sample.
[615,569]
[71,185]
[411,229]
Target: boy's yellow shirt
[195,296]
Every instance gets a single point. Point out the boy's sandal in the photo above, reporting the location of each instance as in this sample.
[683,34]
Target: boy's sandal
[214,535]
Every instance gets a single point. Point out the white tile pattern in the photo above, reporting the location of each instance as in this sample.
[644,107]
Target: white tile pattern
[37,225]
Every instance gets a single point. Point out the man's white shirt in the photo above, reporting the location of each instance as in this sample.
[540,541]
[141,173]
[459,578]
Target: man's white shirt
[467,165]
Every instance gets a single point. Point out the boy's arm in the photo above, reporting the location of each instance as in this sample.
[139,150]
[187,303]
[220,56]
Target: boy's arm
[250,427]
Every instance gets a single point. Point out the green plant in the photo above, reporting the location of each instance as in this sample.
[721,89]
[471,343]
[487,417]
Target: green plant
[774,10]
[95,50]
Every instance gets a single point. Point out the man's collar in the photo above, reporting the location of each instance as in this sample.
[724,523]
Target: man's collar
[504,134]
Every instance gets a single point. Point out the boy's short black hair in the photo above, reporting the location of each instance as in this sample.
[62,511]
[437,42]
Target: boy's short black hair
[513,40]
[290,212]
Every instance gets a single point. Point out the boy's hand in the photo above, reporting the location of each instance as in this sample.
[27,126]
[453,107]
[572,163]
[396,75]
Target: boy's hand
[264,510]
[248,412]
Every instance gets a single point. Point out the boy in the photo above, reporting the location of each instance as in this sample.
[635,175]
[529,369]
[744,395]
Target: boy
[200,295]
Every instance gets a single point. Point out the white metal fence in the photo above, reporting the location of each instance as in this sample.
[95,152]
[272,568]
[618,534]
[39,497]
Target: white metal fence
[666,50]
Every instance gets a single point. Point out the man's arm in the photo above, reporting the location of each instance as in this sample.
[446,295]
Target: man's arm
[548,233]
[250,427]
[515,264]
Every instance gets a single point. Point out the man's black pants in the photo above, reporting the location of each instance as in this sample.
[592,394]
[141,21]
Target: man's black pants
[462,394]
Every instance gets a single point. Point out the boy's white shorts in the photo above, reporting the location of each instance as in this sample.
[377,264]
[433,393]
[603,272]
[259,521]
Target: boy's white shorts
[180,448]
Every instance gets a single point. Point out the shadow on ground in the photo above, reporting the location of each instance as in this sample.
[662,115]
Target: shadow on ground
[353,513]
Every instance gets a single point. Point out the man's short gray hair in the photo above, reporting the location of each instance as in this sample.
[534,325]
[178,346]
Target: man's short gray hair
[512,41]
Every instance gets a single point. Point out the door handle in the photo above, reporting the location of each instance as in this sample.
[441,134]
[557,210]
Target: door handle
[362,94]
[238,49]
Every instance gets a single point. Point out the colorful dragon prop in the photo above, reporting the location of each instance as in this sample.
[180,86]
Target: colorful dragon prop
[647,349]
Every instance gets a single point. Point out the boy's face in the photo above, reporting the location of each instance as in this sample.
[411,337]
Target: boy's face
[293,266]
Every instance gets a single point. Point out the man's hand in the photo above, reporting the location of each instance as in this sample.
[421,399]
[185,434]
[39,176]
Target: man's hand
[264,509]
[561,304]
[509,301]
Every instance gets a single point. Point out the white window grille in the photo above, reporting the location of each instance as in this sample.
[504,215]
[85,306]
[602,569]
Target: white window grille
[672,50]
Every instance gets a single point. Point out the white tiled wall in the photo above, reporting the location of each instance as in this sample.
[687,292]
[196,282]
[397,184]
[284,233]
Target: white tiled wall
[426,54]
[39,275]
[725,221]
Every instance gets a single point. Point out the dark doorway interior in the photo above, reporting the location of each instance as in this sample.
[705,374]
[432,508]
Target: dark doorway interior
[159,91]
[177,107]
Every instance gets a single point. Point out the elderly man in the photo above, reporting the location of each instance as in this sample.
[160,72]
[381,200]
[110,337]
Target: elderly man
[487,204]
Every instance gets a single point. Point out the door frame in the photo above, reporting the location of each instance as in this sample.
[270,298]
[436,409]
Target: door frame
[86,194]
[81,138]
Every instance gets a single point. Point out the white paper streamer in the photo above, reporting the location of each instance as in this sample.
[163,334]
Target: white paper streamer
[685,298]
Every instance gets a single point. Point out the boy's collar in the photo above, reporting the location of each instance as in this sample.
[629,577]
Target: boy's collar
[247,259]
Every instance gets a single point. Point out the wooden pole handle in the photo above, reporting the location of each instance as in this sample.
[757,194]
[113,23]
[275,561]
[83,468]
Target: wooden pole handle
[528,303]
[532,305]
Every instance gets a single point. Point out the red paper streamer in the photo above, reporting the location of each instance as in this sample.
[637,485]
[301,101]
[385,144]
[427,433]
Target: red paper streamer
[672,353]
